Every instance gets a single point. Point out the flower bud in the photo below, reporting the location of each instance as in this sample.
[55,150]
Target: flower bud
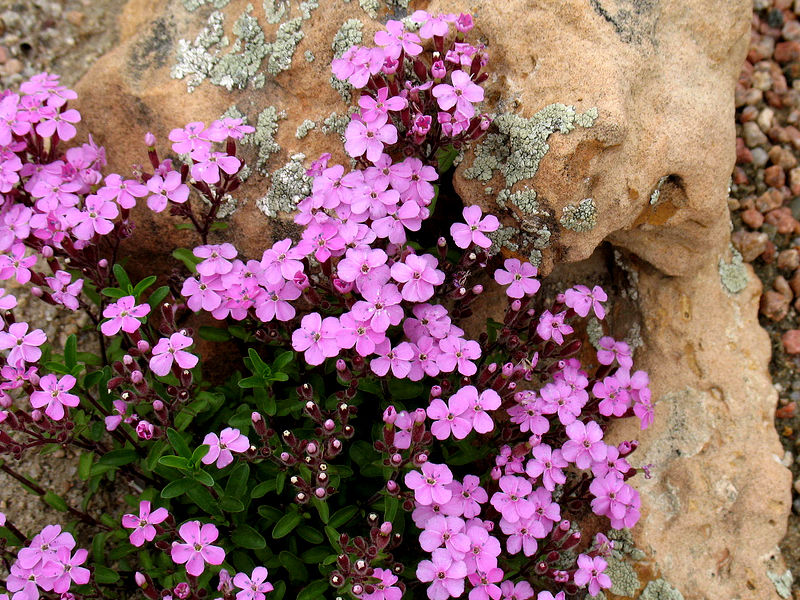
[389,415]
[47,251]
[142,346]
[37,292]
[329,425]
[420,415]
[149,140]
[36,415]
[358,589]
[420,459]
[144,430]
[320,493]
[438,70]
[182,590]
[436,391]
[137,376]
[392,487]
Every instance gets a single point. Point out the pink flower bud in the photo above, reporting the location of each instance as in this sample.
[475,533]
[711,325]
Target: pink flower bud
[285,456]
[102,263]
[47,252]
[137,376]
[127,359]
[343,287]
[389,415]
[36,415]
[144,430]
[158,405]
[182,590]
[312,448]
[320,492]
[37,292]
[139,579]
[391,486]
[438,70]
[420,459]
[142,346]
[386,528]
[420,415]
[396,459]
[436,391]
[496,473]
[149,140]
[329,425]
[464,23]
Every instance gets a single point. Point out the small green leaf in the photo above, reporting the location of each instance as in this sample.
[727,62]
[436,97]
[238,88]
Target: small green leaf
[55,501]
[204,478]
[255,381]
[405,389]
[178,443]
[122,277]
[218,226]
[391,504]
[286,524]
[279,591]
[158,296]
[310,534]
[187,258]
[199,453]
[176,462]
[117,458]
[270,513]
[333,537]
[237,481]
[105,575]
[297,570]
[362,453]
[85,465]
[247,537]
[322,508]
[262,488]
[71,351]
[230,504]
[176,488]
[342,516]
[282,360]
[314,590]
[184,226]
[113,292]
[143,285]
[214,334]
[316,555]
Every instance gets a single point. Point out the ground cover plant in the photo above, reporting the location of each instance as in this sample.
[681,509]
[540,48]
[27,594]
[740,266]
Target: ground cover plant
[367,447]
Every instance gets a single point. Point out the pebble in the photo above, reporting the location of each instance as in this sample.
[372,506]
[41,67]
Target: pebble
[770,252]
[775,16]
[789,260]
[791,31]
[743,154]
[783,220]
[794,205]
[759,156]
[762,81]
[752,135]
[769,200]
[796,505]
[774,176]
[791,341]
[766,119]
[761,49]
[796,486]
[76,18]
[749,113]
[793,133]
[778,135]
[12,66]
[751,244]
[752,218]
[739,178]
[774,305]
[786,52]
[794,283]
[782,287]
[782,157]
[753,96]
[786,412]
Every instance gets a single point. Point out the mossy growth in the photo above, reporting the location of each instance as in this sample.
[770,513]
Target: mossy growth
[660,590]
[733,276]
[290,185]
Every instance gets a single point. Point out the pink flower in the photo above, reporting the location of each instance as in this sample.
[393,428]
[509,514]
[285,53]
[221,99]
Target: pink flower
[396,40]
[520,591]
[378,108]
[167,350]
[512,500]
[167,189]
[385,588]
[144,525]
[581,299]
[553,327]
[478,405]
[458,353]
[485,584]
[446,574]
[208,165]
[590,571]
[254,587]
[54,395]
[124,192]
[380,307]
[473,232]
[445,531]
[547,464]
[519,277]
[65,569]
[451,418]
[123,314]
[197,551]
[610,349]
[317,338]
[221,448]
[369,138]
[60,123]
[95,218]
[44,546]
[190,138]
[217,259]
[419,276]
[462,94]
[430,486]
[24,346]
[585,444]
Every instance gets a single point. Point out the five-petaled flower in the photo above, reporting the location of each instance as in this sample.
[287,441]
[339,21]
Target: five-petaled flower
[197,549]
[144,525]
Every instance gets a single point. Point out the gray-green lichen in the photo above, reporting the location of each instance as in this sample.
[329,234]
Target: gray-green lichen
[782,583]
[275,9]
[520,144]
[734,275]
[370,7]
[283,48]
[290,185]
[195,62]
[503,237]
[304,128]
[660,590]
[264,135]
[349,34]
[624,544]
[594,331]
[335,123]
[228,206]
[624,580]
[580,217]
[309,56]
[193,5]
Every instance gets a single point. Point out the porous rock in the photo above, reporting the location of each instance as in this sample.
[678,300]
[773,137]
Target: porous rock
[640,154]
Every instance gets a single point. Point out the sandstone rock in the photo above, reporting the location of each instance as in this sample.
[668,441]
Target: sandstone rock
[584,120]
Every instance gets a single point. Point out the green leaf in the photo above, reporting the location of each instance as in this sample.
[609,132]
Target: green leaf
[214,334]
[405,389]
[55,501]
[218,226]
[189,260]
[313,590]
[262,489]
[247,537]
[255,381]
[55,367]
[445,157]
[362,453]
[178,487]
[158,296]
[85,465]
[342,516]
[297,570]
[122,277]
[286,524]
[270,513]
[113,292]
[279,591]
[71,351]
[143,285]
[104,574]
[199,453]
[204,478]
[203,498]
[391,504]
[178,443]
[230,504]
[117,458]
[176,462]
[184,226]
[311,535]
[282,360]
[237,481]
[333,537]
[322,508]
[316,555]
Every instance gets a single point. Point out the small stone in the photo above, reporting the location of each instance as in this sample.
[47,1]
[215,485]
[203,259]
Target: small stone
[782,157]
[761,49]
[762,81]
[779,85]
[751,244]
[796,506]
[749,113]
[753,97]
[791,341]
[769,200]
[783,4]
[759,156]
[740,177]
[796,484]
[775,16]
[794,205]
[786,52]
[765,119]
[793,133]
[778,135]
[770,252]
[752,135]
[783,220]
[774,100]
[752,218]
[75,17]
[788,260]
[733,204]
[774,176]
[782,287]
[794,283]
[12,66]
[774,305]
[743,154]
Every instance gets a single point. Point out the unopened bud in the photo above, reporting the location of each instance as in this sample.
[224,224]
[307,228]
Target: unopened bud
[329,425]
[389,415]
[142,346]
[149,140]
[47,251]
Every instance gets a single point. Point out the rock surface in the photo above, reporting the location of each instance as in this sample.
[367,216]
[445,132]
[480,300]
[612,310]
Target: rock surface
[619,114]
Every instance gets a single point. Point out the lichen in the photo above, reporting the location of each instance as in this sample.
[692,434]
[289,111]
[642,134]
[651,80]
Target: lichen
[309,56]
[782,583]
[193,5]
[370,7]
[503,237]
[304,128]
[290,185]
[660,590]
[195,62]
[594,331]
[624,580]
[525,200]
[733,276]
[520,144]
[282,50]
[264,135]
[349,34]
[275,9]
[335,123]
[580,217]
